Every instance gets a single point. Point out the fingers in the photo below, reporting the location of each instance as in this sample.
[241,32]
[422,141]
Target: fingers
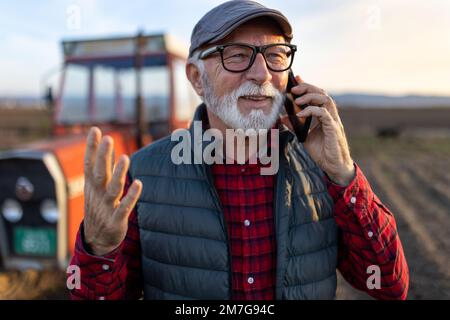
[313,95]
[115,187]
[93,139]
[320,97]
[317,99]
[303,88]
[103,162]
[322,114]
[129,201]
[299,79]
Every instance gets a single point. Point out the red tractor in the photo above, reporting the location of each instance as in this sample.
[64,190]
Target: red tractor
[132,88]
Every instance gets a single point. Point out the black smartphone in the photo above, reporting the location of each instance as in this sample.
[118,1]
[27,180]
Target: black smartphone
[300,126]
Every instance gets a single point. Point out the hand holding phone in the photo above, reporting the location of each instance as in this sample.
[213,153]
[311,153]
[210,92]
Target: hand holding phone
[301,127]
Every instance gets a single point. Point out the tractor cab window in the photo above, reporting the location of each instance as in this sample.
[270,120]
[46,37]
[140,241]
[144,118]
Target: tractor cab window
[74,99]
[101,94]
[104,95]
[155,91]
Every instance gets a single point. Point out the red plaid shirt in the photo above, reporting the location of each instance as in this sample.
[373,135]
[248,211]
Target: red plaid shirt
[368,236]
[247,202]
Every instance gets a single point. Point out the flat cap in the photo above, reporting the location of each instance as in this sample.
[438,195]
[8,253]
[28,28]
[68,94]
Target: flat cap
[223,19]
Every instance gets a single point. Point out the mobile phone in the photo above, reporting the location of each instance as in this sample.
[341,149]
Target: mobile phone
[300,126]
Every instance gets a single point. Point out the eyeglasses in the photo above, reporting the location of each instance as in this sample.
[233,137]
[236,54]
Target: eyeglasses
[238,57]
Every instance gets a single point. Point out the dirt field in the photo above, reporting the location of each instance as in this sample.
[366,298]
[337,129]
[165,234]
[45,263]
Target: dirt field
[410,173]
[412,177]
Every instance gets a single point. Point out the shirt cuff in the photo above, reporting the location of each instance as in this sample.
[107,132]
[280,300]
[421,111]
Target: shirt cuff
[355,198]
[336,190]
[97,272]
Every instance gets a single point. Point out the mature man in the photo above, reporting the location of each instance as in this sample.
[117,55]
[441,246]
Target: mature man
[224,230]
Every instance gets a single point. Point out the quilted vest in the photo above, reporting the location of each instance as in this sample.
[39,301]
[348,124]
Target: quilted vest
[185,250]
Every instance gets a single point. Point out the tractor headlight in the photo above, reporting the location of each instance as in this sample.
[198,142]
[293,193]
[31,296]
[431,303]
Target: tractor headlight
[12,211]
[49,211]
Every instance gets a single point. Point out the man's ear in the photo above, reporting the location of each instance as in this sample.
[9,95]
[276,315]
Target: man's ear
[194,77]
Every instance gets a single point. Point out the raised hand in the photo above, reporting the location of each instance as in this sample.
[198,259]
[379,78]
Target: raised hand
[106,212]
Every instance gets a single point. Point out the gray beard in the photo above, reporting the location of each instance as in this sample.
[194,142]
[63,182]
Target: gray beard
[226,108]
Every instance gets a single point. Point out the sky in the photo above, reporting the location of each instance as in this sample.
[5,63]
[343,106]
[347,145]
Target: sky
[391,47]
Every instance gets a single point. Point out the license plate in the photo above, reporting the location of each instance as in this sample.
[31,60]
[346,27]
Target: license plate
[31,241]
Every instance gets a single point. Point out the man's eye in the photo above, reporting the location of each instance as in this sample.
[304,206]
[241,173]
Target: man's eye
[276,56]
[238,56]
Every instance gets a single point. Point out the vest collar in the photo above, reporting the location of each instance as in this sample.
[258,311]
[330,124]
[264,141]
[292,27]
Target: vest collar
[286,135]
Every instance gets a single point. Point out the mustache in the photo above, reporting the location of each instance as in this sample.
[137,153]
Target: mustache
[251,89]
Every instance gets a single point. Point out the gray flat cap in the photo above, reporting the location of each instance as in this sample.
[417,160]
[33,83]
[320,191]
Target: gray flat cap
[223,19]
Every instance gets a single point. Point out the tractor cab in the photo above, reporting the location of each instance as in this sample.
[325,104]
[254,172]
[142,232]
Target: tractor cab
[137,82]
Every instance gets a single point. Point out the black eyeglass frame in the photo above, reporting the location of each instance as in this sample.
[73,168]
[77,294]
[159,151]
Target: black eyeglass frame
[256,49]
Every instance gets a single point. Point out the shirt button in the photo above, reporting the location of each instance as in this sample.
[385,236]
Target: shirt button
[101,298]
[370,234]
[246,222]
[105,267]
[243,170]
[250,280]
[353,200]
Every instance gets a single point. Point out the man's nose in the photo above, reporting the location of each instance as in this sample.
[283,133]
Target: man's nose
[259,72]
